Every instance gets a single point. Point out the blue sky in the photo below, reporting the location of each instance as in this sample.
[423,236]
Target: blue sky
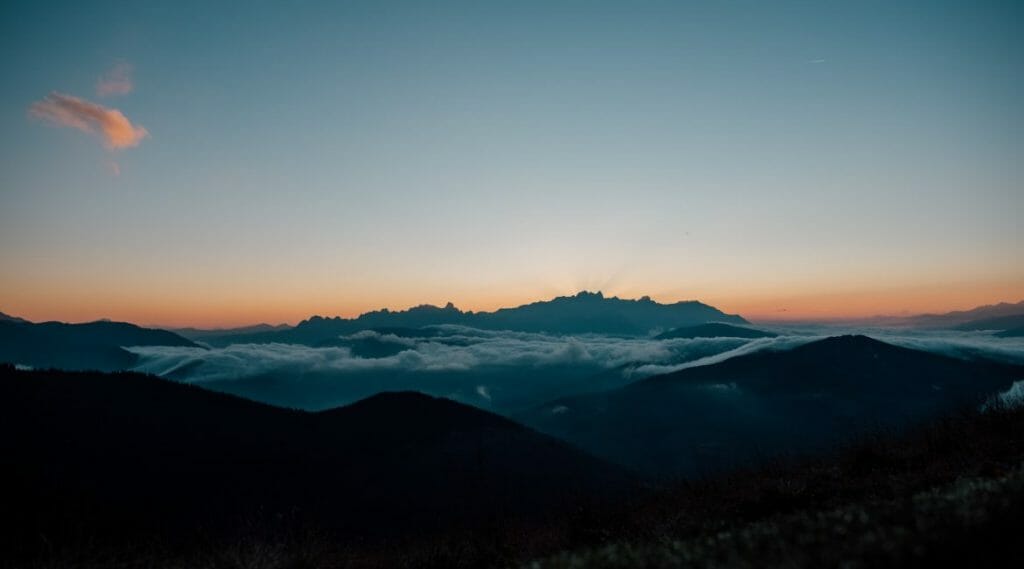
[817,158]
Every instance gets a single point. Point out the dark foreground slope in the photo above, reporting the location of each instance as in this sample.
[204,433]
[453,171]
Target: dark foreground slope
[946,494]
[93,345]
[711,417]
[127,456]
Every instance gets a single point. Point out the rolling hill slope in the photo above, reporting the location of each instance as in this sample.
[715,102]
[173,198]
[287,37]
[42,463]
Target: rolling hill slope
[712,417]
[128,454]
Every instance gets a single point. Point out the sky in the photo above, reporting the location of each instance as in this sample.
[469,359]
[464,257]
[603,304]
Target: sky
[223,163]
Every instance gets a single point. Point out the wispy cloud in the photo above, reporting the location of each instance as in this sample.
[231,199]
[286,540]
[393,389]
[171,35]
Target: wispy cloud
[65,110]
[116,81]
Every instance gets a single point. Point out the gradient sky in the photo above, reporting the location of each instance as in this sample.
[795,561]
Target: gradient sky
[219,163]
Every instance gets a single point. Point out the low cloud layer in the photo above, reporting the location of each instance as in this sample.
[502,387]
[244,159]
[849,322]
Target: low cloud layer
[965,345]
[69,111]
[502,371]
[116,81]
[454,349]
[953,343]
[499,370]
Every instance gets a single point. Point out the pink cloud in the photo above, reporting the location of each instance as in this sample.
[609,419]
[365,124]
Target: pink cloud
[64,110]
[116,81]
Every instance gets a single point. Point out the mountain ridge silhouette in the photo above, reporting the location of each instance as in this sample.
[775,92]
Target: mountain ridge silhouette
[584,312]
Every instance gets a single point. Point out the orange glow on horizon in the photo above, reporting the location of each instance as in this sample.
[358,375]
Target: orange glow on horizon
[856,305]
[227,311]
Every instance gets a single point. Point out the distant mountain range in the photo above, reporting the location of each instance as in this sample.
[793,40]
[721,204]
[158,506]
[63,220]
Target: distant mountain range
[125,452]
[714,331]
[9,318]
[798,400]
[94,345]
[582,313]
[200,333]
[1001,323]
[964,317]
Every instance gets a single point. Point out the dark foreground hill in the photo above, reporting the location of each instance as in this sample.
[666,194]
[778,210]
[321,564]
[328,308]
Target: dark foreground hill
[582,313]
[93,345]
[759,405]
[715,330]
[947,494]
[125,456]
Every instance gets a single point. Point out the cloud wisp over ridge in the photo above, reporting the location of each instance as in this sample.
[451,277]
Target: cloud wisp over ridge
[69,111]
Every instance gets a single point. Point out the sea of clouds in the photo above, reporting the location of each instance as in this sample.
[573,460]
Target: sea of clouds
[500,369]
[448,348]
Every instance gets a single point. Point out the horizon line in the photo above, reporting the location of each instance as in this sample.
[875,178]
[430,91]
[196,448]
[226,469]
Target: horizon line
[877,318]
